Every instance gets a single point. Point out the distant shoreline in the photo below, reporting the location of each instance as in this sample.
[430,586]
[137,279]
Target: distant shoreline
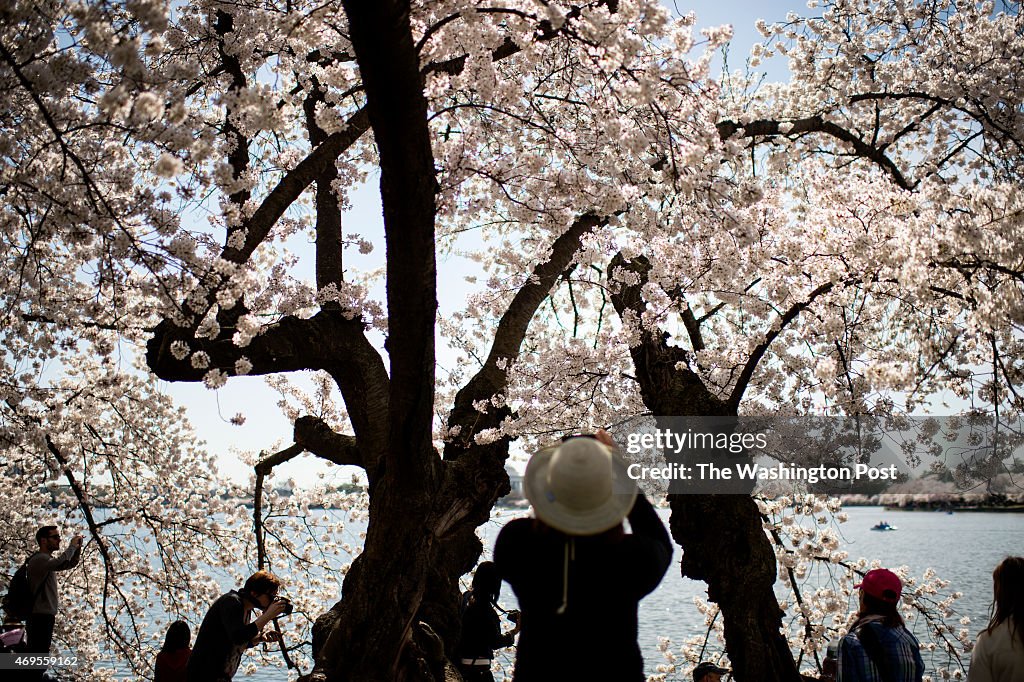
[1010,509]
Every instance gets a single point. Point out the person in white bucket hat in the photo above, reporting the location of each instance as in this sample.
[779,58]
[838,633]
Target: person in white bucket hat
[578,575]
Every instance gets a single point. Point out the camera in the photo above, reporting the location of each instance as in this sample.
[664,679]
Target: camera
[513,616]
[288,608]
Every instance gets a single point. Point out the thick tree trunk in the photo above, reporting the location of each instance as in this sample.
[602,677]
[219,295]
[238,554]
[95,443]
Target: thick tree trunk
[723,540]
[724,545]
[376,636]
[399,618]
[372,627]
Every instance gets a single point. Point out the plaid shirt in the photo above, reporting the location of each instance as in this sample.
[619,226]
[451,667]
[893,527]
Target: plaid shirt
[899,649]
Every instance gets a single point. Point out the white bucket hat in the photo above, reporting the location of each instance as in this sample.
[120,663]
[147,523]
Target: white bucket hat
[579,487]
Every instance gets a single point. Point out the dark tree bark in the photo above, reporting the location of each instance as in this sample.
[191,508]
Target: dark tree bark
[400,606]
[368,642]
[723,541]
[472,478]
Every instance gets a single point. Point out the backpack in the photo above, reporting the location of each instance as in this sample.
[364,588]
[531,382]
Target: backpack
[12,639]
[20,600]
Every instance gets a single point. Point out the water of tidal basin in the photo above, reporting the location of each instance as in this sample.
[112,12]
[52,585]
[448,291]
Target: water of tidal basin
[963,548]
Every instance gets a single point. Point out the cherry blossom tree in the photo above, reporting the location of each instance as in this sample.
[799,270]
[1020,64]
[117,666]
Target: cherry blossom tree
[859,228]
[655,240]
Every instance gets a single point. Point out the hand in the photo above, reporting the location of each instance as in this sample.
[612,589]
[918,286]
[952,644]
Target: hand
[603,436]
[76,541]
[270,636]
[275,609]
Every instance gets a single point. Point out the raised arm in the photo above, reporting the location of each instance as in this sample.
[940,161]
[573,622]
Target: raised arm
[653,547]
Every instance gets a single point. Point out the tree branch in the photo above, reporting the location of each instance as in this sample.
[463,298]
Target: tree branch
[981,116]
[545,32]
[109,326]
[108,561]
[397,107]
[492,378]
[816,124]
[294,183]
[289,345]
[329,247]
[238,143]
[327,341]
[667,384]
[263,469]
[315,436]
[755,356]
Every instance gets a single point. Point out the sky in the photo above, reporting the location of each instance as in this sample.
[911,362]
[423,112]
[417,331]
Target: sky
[266,429]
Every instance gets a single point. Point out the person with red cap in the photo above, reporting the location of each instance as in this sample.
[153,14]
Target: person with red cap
[879,648]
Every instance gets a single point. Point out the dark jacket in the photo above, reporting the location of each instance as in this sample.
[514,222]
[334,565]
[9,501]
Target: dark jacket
[223,637]
[595,636]
[171,665]
[481,630]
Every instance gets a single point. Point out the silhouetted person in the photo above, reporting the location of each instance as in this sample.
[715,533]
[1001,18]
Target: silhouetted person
[708,672]
[578,575]
[227,630]
[41,568]
[172,660]
[481,627]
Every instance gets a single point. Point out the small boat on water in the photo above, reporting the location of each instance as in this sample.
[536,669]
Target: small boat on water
[883,525]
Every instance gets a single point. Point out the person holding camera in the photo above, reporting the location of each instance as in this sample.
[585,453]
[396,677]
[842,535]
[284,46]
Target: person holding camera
[481,627]
[578,575]
[229,629]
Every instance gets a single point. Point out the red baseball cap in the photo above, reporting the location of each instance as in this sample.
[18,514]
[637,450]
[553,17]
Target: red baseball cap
[882,584]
